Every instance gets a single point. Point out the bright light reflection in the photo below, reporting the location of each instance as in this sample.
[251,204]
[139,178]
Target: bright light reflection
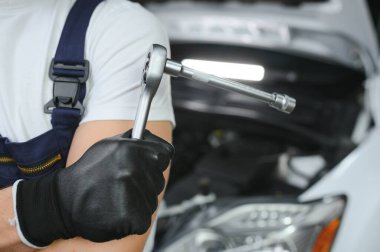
[227,70]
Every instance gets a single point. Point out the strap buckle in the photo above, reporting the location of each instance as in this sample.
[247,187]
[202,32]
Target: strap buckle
[67,81]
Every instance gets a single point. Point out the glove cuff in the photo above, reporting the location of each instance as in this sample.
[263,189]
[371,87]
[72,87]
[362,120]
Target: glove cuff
[16,219]
[38,211]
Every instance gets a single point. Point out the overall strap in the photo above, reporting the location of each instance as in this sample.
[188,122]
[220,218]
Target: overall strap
[68,69]
[72,43]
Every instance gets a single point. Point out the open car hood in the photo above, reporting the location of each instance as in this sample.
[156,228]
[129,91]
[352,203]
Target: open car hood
[338,31]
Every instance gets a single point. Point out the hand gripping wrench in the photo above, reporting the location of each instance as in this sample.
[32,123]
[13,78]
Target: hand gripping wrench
[157,64]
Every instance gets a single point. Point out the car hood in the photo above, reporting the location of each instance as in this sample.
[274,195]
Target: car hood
[335,30]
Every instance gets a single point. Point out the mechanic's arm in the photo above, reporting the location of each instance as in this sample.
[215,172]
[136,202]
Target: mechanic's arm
[86,135]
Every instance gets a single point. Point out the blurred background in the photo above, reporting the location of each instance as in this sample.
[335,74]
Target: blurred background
[232,151]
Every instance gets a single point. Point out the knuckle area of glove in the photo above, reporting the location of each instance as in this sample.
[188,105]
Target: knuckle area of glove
[158,180]
[141,226]
[115,221]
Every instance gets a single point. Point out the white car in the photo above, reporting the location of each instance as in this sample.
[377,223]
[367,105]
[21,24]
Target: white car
[329,44]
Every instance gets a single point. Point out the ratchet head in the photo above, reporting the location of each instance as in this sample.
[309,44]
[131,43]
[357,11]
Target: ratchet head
[154,67]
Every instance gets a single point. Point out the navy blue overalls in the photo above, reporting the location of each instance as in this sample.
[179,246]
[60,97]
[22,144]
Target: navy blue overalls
[69,72]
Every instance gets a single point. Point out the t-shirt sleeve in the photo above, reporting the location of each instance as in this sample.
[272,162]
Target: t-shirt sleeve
[117,42]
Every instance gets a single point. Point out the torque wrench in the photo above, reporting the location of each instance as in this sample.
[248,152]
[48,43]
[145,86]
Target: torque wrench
[157,64]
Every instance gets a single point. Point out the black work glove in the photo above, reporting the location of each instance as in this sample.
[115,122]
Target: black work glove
[110,193]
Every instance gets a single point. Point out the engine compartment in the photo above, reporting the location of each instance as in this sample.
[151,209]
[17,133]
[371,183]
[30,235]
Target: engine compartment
[232,146]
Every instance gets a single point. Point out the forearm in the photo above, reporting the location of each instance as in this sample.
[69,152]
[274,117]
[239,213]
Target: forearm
[86,135]
[9,240]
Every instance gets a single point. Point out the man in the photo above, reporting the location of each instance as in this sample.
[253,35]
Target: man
[118,37]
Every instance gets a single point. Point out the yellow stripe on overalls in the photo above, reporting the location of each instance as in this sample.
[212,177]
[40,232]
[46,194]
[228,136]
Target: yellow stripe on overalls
[6,160]
[39,168]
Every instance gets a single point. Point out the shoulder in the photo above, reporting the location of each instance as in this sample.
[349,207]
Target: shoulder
[126,21]
[117,41]
[122,30]
[123,7]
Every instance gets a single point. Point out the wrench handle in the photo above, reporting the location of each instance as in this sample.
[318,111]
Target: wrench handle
[152,75]
[142,113]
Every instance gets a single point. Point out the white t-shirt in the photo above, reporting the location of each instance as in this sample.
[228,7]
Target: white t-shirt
[117,40]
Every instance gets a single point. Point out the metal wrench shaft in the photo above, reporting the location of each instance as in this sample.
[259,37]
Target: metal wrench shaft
[280,102]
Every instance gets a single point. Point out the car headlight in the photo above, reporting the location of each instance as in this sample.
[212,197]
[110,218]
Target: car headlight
[267,227]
